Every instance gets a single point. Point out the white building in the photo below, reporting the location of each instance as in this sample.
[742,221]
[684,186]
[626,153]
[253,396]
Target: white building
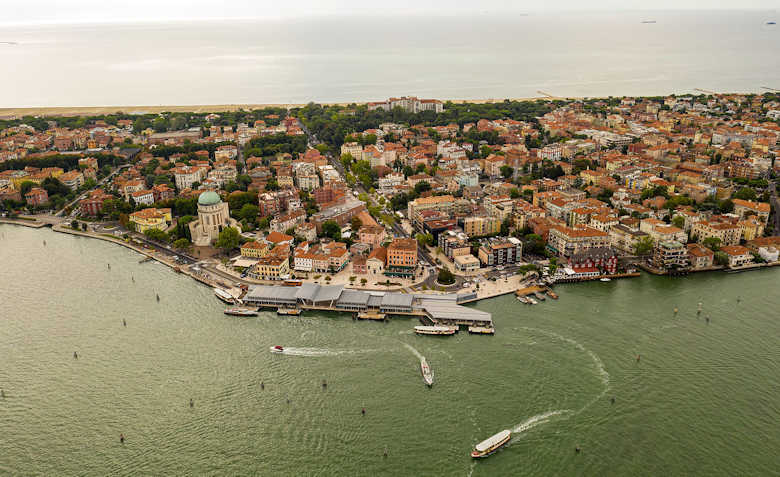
[213,217]
[185,176]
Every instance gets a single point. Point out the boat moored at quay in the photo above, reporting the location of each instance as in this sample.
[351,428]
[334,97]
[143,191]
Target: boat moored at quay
[224,296]
[435,330]
[238,311]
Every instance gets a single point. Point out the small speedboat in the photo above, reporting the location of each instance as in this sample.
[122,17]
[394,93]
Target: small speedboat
[605,279]
[277,349]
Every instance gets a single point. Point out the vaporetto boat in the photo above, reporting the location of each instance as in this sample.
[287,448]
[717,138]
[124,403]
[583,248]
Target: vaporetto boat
[435,330]
[491,444]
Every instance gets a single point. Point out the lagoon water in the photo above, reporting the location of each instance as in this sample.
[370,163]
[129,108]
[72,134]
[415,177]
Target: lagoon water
[703,400]
[361,58]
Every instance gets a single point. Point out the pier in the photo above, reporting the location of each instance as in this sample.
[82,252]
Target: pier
[430,309]
[598,277]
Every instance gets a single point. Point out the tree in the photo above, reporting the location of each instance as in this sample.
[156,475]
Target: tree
[248,212]
[505,226]
[445,277]
[53,186]
[534,244]
[726,206]
[182,244]
[356,223]
[25,187]
[506,171]
[228,239]
[643,246]
[721,258]
[745,193]
[514,193]
[422,186]
[331,228]
[363,281]
[712,243]
[74,224]
[678,222]
[84,226]
[264,223]
[424,239]
[156,235]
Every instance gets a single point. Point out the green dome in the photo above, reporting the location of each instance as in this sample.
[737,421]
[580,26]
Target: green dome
[209,198]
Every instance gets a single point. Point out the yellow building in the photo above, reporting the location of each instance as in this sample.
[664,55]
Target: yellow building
[271,267]
[151,219]
[254,249]
[481,226]
[752,228]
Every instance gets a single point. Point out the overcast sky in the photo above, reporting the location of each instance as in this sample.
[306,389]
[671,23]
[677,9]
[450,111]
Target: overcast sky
[44,11]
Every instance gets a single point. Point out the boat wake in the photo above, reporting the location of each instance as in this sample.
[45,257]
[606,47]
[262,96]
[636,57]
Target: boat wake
[539,419]
[318,352]
[546,417]
[416,353]
[603,374]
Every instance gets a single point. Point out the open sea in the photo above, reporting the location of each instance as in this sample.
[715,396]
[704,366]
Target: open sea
[361,58]
[703,400]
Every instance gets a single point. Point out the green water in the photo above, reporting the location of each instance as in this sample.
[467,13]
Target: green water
[703,400]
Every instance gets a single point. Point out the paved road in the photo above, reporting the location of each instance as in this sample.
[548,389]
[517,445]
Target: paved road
[100,183]
[776,204]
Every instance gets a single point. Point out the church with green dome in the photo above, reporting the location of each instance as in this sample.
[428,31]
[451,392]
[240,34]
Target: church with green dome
[213,216]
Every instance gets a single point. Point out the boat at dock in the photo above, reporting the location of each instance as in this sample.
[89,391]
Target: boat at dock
[552,294]
[539,296]
[491,444]
[532,301]
[427,372]
[241,312]
[523,299]
[605,279]
[224,296]
[435,330]
[481,330]
[288,311]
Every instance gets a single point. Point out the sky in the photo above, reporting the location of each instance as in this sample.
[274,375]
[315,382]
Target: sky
[76,11]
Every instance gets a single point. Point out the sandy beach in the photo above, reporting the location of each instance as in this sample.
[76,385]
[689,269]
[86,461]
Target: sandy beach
[11,113]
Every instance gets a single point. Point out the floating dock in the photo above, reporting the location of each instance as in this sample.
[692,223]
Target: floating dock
[288,311]
[530,291]
[367,315]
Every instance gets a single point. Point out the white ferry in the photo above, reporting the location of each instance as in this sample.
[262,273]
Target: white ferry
[427,372]
[241,312]
[435,330]
[224,296]
[491,444]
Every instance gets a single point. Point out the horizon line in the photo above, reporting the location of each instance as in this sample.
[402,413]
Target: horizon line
[374,14]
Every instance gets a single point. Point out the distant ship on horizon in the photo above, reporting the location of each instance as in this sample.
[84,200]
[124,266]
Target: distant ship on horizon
[648,21]
[771,23]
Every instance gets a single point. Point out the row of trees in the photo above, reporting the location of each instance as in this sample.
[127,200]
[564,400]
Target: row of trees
[333,124]
[278,143]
